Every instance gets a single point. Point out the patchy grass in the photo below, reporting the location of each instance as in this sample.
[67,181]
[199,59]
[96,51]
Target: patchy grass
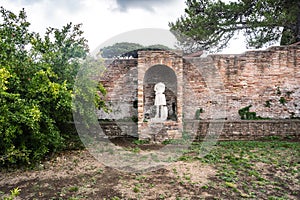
[254,169]
[232,170]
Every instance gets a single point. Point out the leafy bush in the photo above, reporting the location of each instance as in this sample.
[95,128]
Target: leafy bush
[245,114]
[198,112]
[36,81]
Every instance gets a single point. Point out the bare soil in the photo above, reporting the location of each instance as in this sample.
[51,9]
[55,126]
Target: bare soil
[77,175]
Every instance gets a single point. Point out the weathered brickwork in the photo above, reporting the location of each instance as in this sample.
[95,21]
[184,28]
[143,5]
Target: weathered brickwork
[244,129]
[268,80]
[221,129]
[120,81]
[211,88]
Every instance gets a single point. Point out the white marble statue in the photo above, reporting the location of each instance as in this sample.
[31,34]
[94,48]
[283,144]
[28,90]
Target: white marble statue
[160,102]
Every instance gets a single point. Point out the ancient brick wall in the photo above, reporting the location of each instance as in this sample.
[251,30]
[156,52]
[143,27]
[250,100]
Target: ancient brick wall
[226,130]
[268,80]
[218,85]
[243,129]
[120,81]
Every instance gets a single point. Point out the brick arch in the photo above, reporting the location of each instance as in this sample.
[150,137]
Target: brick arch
[166,75]
[148,59]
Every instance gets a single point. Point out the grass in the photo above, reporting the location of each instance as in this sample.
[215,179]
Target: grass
[241,167]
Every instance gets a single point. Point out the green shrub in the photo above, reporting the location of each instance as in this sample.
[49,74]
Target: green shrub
[198,112]
[282,100]
[36,87]
[245,114]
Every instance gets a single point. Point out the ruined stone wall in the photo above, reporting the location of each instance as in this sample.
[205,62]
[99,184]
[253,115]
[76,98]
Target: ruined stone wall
[120,81]
[243,129]
[218,86]
[226,130]
[268,80]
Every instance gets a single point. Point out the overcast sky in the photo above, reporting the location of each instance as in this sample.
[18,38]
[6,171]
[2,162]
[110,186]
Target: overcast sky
[103,19]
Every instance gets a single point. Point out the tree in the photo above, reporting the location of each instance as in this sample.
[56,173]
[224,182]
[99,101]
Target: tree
[118,49]
[158,46]
[128,49]
[210,25]
[36,80]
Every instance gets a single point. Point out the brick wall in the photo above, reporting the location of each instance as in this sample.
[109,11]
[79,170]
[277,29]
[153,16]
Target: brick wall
[242,129]
[220,85]
[218,129]
[120,81]
[268,80]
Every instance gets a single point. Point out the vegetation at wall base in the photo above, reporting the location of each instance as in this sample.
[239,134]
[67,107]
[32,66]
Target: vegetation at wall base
[245,114]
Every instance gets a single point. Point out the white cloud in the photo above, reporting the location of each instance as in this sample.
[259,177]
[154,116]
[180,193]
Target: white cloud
[101,19]
[149,5]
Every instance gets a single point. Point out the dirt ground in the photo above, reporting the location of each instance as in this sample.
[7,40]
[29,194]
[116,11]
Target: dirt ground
[77,175]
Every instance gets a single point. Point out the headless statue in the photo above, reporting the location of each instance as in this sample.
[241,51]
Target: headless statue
[160,102]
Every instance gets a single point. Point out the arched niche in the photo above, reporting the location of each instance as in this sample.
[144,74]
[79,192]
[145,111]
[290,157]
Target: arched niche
[154,75]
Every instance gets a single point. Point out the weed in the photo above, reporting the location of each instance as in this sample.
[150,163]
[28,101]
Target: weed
[228,176]
[186,137]
[174,141]
[268,104]
[198,112]
[99,171]
[236,159]
[140,177]
[73,189]
[76,161]
[205,187]
[136,188]
[134,150]
[13,193]
[187,177]
[282,100]
[175,171]
[278,91]
[185,158]
[253,173]
[135,119]
[231,185]
[93,180]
